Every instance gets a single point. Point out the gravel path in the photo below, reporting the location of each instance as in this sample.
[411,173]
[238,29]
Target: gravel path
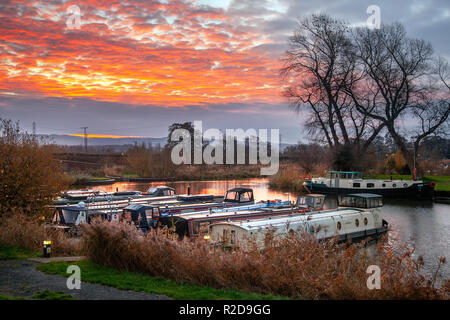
[20,278]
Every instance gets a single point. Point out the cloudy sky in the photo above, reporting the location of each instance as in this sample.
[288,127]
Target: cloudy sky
[134,67]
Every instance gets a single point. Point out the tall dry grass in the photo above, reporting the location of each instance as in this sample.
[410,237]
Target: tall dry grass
[289,177]
[20,230]
[296,266]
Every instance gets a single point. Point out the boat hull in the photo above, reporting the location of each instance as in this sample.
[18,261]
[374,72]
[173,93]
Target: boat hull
[416,191]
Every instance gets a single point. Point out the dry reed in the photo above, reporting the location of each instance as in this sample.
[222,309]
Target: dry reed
[296,266]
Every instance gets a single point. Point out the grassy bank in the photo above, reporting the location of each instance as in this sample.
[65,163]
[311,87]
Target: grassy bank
[17,253]
[124,280]
[5,297]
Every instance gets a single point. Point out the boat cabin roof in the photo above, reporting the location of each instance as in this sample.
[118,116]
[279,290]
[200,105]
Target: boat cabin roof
[240,190]
[279,221]
[229,213]
[344,171]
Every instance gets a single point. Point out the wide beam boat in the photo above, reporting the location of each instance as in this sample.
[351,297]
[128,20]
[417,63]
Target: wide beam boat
[346,182]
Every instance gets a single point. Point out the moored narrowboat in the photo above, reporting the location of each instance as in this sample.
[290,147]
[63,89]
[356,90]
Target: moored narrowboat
[346,182]
[359,218]
[149,215]
[196,224]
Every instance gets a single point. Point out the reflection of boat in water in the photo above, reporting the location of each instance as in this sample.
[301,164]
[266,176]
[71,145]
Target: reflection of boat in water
[358,217]
[346,182]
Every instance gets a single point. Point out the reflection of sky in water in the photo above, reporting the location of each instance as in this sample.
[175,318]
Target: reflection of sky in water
[424,224]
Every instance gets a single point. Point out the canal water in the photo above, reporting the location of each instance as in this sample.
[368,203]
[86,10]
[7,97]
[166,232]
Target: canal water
[424,224]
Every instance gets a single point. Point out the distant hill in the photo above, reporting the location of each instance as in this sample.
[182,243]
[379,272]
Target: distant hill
[123,143]
[73,141]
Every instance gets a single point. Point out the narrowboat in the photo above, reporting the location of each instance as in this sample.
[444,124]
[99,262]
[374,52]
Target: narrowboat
[196,223]
[150,214]
[87,195]
[345,182]
[358,217]
[68,218]
[160,191]
[111,207]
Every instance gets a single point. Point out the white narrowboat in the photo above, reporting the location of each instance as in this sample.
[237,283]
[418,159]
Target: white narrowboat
[358,217]
[345,182]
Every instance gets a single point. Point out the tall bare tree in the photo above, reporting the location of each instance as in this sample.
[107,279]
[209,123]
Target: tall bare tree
[319,66]
[397,82]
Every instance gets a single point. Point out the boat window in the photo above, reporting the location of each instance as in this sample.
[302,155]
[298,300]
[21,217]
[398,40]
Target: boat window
[370,185]
[384,185]
[339,225]
[152,190]
[356,185]
[394,185]
[55,216]
[246,196]
[148,214]
[405,185]
[232,195]
[70,216]
[233,236]
[301,200]
[225,236]
[357,222]
[203,228]
[155,213]
[166,192]
[343,176]
[365,221]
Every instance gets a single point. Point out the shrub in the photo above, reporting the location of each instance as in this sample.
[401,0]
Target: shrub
[296,266]
[29,176]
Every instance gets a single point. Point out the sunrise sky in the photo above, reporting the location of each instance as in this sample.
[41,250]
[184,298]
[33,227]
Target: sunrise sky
[134,67]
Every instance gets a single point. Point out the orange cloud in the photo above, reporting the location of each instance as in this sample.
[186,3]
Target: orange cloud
[140,53]
[111,136]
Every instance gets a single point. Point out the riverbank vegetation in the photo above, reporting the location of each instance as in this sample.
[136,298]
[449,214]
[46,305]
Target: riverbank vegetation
[30,177]
[23,235]
[296,266]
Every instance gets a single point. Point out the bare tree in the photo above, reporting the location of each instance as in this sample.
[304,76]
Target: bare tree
[318,68]
[397,81]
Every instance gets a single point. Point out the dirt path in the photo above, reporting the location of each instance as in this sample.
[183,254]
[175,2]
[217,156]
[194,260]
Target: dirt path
[20,278]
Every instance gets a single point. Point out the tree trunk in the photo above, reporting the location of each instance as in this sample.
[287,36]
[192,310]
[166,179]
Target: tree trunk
[409,157]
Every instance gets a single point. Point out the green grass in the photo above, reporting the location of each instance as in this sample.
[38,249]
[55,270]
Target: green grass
[130,175]
[5,297]
[16,253]
[52,295]
[442,182]
[123,280]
